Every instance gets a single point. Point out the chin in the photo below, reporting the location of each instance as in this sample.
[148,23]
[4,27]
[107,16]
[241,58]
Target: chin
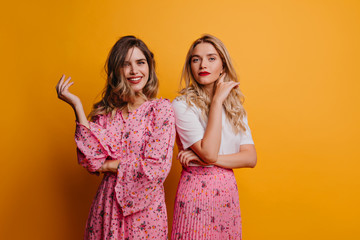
[208,82]
[138,88]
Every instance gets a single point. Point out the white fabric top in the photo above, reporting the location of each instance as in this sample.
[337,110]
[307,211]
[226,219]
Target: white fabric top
[191,128]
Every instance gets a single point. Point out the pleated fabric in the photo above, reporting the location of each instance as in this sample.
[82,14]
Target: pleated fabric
[206,205]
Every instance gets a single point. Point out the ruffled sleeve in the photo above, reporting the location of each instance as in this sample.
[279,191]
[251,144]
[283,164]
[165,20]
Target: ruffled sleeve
[92,144]
[140,180]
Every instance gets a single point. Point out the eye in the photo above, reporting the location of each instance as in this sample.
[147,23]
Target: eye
[194,60]
[141,62]
[211,59]
[126,64]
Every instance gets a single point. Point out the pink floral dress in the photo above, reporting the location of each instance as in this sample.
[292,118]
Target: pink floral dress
[129,204]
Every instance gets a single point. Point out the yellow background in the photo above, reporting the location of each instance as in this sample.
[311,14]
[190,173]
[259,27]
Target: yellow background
[298,63]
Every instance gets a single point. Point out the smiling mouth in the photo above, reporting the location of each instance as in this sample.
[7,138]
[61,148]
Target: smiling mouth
[134,79]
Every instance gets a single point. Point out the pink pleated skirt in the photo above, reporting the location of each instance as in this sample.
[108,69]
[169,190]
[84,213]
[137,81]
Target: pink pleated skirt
[206,205]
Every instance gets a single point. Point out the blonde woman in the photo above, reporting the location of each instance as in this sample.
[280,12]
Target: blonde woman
[214,138]
[130,140]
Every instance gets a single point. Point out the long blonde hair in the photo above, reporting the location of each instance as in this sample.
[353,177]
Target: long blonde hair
[194,93]
[117,93]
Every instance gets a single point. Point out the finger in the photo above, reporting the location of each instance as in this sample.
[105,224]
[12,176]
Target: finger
[221,77]
[179,155]
[68,85]
[187,163]
[183,153]
[191,157]
[182,163]
[186,154]
[181,159]
[63,86]
[236,84]
[231,85]
[65,83]
[60,82]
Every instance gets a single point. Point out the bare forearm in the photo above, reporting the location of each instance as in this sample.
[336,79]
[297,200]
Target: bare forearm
[243,159]
[208,148]
[80,115]
[110,166]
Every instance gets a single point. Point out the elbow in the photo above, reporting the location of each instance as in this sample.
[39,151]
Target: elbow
[253,161]
[209,158]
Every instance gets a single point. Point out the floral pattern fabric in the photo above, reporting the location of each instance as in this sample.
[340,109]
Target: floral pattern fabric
[129,204]
[206,205]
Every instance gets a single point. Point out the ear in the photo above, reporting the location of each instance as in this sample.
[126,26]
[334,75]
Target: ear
[222,70]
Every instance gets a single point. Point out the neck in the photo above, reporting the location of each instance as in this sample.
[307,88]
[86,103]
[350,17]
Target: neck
[209,89]
[137,102]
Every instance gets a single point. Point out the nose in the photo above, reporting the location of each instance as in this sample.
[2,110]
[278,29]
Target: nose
[203,64]
[133,69]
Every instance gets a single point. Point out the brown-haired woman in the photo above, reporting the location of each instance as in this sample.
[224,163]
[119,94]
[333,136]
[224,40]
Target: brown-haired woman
[130,140]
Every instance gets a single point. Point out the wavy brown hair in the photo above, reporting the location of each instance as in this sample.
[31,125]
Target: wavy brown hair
[118,93]
[194,93]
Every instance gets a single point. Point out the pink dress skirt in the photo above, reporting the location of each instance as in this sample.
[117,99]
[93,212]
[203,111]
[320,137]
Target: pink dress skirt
[129,204]
[207,205]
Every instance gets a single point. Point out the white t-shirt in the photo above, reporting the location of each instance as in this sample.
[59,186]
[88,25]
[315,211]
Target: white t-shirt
[191,128]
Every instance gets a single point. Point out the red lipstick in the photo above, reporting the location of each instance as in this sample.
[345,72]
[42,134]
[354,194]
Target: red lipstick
[135,80]
[203,73]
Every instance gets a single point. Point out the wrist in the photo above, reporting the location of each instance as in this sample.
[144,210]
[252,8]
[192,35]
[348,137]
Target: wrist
[112,165]
[217,160]
[77,106]
[101,169]
[216,103]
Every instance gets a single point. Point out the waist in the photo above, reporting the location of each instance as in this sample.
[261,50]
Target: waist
[207,170]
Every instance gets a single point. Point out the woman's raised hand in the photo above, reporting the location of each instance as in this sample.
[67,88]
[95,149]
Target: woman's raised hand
[62,89]
[223,89]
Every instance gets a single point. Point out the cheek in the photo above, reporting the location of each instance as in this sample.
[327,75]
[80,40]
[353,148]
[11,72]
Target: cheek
[219,67]
[124,72]
[193,69]
[145,69]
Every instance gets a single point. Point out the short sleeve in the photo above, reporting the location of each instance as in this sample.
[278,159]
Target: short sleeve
[188,124]
[246,137]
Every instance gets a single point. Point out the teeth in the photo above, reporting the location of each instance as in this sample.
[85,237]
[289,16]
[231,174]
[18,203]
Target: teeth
[134,79]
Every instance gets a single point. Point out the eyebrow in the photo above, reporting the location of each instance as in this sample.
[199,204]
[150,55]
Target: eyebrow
[210,54]
[137,60]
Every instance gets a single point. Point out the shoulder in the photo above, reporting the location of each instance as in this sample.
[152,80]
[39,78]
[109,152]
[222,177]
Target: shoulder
[161,107]
[180,103]
[179,100]
[101,119]
[183,106]
[161,104]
